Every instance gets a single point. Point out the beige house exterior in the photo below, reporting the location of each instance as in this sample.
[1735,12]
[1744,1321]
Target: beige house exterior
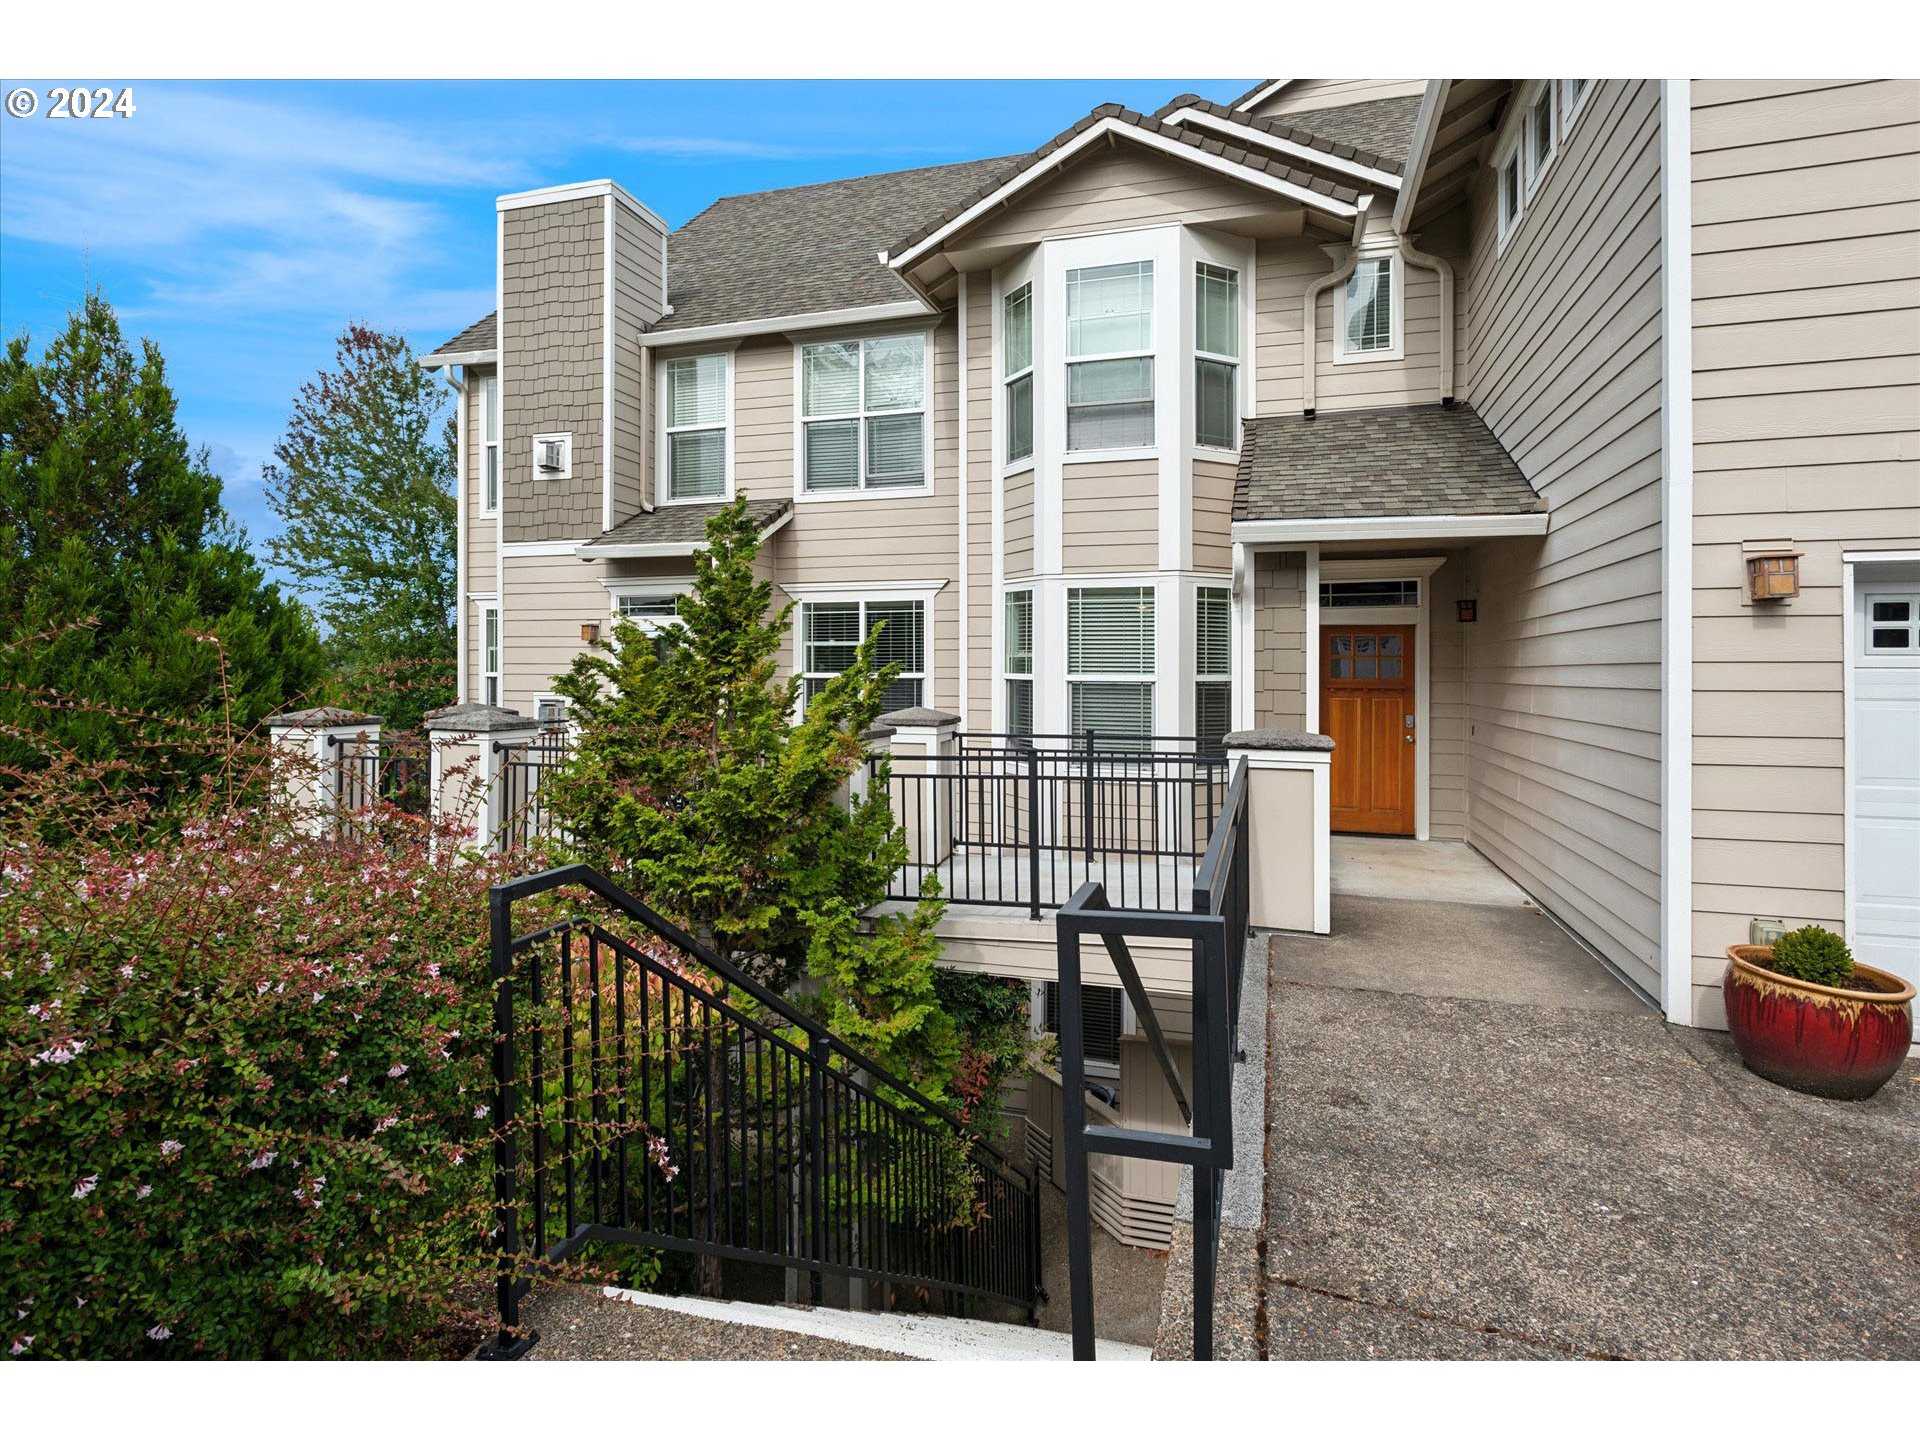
[1464,406]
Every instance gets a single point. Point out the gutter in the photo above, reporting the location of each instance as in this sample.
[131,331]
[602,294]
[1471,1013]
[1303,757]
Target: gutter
[1310,308]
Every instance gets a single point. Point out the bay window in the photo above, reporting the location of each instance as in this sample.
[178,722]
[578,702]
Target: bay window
[863,410]
[696,413]
[1017,665]
[1110,656]
[490,445]
[1016,344]
[1216,356]
[831,632]
[1110,356]
[1212,665]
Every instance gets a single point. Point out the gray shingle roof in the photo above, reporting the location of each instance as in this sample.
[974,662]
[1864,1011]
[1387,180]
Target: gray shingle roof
[1383,126]
[1291,127]
[477,336]
[683,524]
[1411,460]
[814,247]
[1207,144]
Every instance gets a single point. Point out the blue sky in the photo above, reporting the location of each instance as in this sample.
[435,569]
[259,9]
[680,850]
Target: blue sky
[242,224]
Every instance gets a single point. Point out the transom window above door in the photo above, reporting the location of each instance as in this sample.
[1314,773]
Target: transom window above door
[1110,356]
[863,413]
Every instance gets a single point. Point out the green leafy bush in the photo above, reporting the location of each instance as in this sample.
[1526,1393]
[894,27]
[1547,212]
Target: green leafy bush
[246,1095]
[1814,954]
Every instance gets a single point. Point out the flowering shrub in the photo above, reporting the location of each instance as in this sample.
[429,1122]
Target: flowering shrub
[246,1095]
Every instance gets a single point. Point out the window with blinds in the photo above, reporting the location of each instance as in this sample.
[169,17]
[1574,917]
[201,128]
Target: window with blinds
[1110,356]
[490,443]
[1110,639]
[1369,307]
[696,412]
[863,408]
[1016,344]
[1102,1019]
[1018,666]
[1216,356]
[1212,665]
[831,633]
[490,654]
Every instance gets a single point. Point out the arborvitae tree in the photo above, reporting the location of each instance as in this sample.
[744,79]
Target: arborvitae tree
[364,488]
[693,780]
[120,570]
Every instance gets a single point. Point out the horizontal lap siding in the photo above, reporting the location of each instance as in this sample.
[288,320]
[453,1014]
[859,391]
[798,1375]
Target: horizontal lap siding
[1213,516]
[548,597]
[1324,94]
[1110,516]
[1121,189]
[1019,524]
[1564,660]
[1806,342]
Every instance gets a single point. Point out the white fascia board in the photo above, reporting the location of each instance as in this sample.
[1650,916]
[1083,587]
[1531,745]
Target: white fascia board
[583,190]
[876,590]
[658,549]
[1263,94]
[778,324]
[1387,527]
[1426,125]
[1249,135]
[1092,136]
[534,549]
[458,357]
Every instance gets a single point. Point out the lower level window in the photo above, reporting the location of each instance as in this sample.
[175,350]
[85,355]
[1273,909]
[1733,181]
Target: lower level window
[490,654]
[1212,665]
[1019,662]
[1110,642]
[1101,1019]
[830,637]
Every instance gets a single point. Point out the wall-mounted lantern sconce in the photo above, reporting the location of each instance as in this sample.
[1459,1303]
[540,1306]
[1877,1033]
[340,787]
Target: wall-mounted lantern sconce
[590,633]
[1463,611]
[1773,575]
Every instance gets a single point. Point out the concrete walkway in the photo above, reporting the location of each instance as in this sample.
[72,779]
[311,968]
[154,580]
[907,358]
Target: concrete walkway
[1452,1174]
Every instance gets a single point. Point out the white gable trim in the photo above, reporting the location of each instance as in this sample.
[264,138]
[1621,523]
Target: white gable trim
[1253,135]
[1425,126]
[778,324]
[1263,94]
[1086,140]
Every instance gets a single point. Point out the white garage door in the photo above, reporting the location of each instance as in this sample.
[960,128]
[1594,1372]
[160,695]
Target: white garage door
[1886,771]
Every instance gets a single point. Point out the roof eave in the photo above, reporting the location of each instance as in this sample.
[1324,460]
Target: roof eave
[1425,126]
[1388,527]
[440,358]
[1293,149]
[663,549]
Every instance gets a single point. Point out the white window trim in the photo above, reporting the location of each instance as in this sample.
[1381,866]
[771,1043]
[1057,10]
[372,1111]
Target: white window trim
[1032,592]
[486,608]
[618,589]
[663,451]
[490,448]
[1032,371]
[565,437]
[1200,446]
[1397,301]
[863,491]
[917,593]
[1151,355]
[1509,226]
[1570,112]
[1534,171]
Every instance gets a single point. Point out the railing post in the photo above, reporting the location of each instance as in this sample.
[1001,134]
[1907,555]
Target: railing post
[506,1220]
[1086,807]
[1073,1129]
[1033,833]
[308,762]
[464,774]
[819,1056]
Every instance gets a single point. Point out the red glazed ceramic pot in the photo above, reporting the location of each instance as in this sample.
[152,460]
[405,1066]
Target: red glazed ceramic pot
[1843,1044]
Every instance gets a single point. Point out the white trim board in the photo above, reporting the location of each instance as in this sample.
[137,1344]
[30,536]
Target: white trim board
[1086,140]
[458,357]
[579,190]
[829,591]
[777,324]
[658,549]
[1388,527]
[1253,135]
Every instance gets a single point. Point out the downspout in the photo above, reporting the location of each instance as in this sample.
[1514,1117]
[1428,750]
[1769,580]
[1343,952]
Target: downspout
[1444,269]
[457,379]
[966,637]
[1310,308]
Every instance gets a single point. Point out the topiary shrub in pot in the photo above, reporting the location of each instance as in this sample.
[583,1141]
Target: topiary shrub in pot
[1806,1015]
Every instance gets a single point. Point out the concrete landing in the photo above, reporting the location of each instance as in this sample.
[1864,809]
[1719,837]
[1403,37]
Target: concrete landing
[1390,868]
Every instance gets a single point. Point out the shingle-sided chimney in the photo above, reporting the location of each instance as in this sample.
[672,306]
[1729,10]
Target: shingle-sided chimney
[582,273]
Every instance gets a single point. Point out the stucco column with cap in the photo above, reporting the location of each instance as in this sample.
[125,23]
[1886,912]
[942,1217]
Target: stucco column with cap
[1289,817]
[466,767]
[924,745]
[306,769]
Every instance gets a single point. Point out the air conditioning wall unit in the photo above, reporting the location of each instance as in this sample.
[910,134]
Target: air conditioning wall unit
[553,457]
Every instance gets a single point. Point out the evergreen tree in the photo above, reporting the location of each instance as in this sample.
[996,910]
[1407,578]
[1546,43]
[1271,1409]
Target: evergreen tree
[692,779]
[120,570]
[364,489]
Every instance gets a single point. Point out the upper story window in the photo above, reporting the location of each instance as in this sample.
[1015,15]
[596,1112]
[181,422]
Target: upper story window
[697,428]
[490,444]
[863,411]
[1531,143]
[1110,356]
[1573,94]
[1016,365]
[1216,356]
[1017,669]
[830,636]
[1368,325]
[1212,665]
[1110,650]
[1542,136]
[1509,200]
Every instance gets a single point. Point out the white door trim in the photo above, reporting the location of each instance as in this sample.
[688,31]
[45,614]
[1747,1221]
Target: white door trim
[1849,640]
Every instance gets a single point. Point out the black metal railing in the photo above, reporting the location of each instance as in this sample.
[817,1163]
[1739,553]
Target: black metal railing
[522,766]
[1026,820]
[1216,924]
[648,1093]
[369,773]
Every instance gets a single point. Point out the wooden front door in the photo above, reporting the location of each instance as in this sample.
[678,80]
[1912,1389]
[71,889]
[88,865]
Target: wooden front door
[1366,705]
